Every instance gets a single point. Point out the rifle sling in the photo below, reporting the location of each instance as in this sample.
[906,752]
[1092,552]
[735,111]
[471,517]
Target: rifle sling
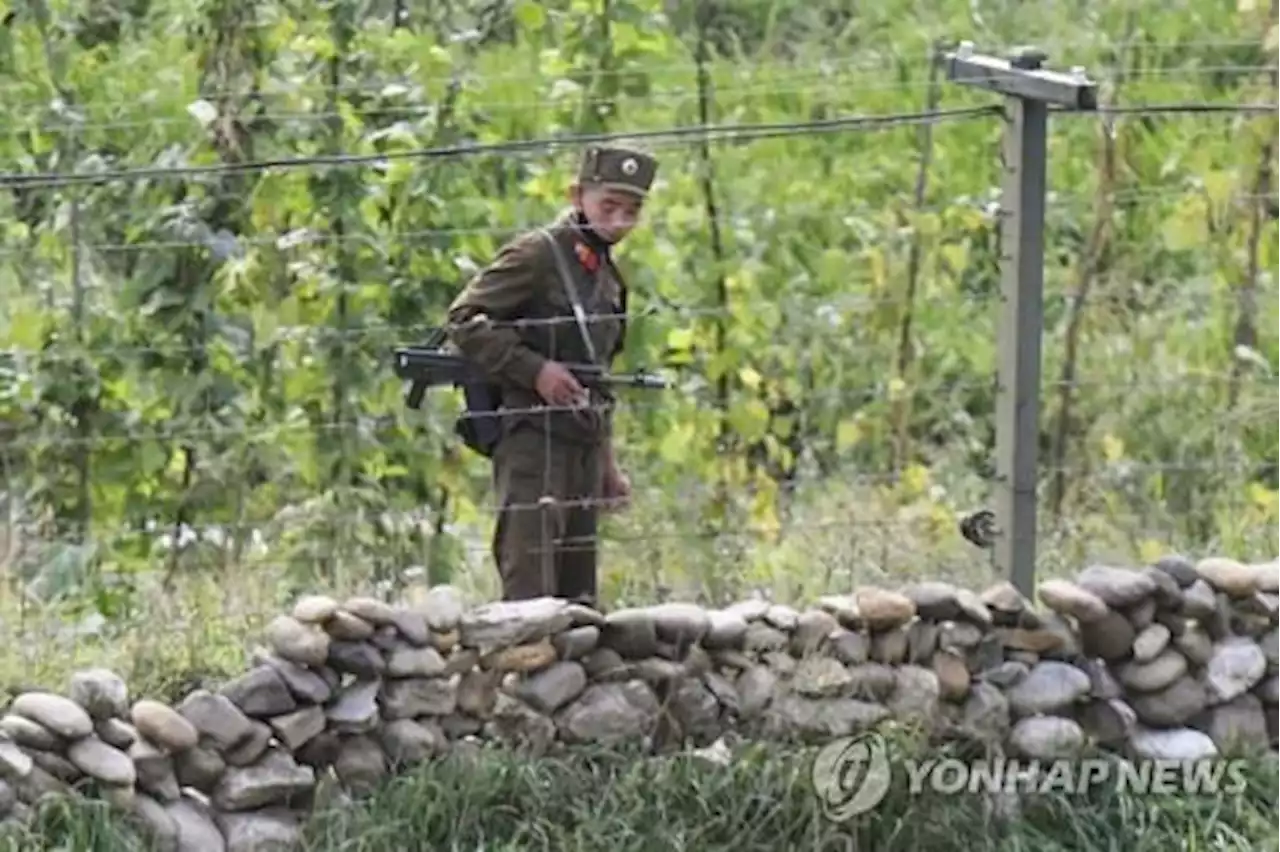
[566,278]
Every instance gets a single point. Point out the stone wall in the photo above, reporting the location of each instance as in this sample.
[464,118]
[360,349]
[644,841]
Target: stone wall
[1176,660]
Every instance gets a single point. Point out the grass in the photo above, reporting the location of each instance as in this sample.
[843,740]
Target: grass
[763,800]
[167,641]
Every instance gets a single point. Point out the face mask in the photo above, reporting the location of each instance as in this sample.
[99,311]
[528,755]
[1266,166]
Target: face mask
[588,230]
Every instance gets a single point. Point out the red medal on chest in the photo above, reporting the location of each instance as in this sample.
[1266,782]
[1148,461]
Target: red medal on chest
[588,258]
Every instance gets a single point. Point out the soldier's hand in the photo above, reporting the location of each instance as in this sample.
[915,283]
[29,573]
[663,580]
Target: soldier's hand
[617,488]
[557,386]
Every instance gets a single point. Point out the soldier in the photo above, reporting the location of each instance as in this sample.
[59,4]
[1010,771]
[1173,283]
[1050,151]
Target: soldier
[554,459]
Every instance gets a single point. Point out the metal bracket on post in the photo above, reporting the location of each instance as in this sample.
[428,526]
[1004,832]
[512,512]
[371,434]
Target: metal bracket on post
[1028,90]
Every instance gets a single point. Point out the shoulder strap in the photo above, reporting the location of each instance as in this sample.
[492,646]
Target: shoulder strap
[572,292]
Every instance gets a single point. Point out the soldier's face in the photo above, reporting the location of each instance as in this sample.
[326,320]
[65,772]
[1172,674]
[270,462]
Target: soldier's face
[611,212]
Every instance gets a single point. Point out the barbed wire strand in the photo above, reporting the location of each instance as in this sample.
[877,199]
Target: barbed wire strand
[839,306]
[285,522]
[257,544]
[578,543]
[466,150]
[586,543]
[296,238]
[695,133]
[392,421]
[834,306]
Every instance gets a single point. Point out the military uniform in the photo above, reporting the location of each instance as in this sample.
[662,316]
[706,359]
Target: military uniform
[547,546]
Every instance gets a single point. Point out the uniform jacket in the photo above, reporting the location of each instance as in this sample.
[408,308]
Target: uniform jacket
[523,283]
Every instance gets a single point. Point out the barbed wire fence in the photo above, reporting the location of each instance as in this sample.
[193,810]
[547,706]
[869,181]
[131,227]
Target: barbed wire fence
[874,536]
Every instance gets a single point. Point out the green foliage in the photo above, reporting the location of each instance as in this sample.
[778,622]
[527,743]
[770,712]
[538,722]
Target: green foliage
[206,356]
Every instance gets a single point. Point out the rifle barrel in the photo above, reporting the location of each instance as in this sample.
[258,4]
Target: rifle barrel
[426,366]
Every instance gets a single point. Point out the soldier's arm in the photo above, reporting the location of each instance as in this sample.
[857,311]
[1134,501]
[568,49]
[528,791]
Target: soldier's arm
[498,294]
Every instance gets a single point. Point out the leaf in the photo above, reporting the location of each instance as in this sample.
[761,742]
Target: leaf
[1112,448]
[65,569]
[955,256]
[1150,550]
[1219,185]
[151,458]
[6,50]
[848,433]
[749,378]
[674,444]
[914,481]
[749,419]
[764,515]
[624,36]
[680,339]
[465,511]
[928,225]
[1264,499]
[722,363]
[833,265]
[1186,228]
[530,14]
[877,268]
[941,519]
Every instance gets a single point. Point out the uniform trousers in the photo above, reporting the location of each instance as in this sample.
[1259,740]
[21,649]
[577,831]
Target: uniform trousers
[546,547]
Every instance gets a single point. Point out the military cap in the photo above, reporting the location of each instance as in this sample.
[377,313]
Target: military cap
[618,167]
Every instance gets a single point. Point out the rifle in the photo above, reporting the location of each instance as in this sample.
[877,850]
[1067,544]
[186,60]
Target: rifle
[433,366]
